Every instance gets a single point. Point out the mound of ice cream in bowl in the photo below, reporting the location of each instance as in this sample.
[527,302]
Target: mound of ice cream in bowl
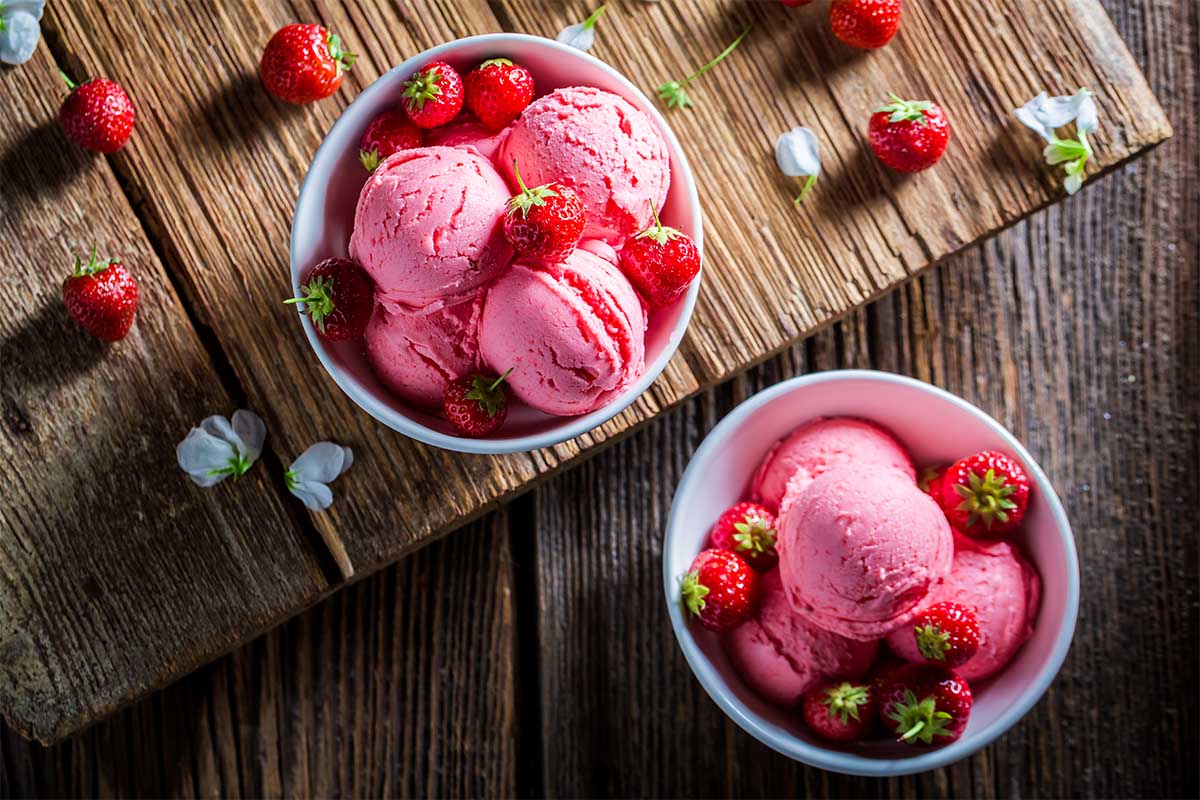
[528,234]
[869,574]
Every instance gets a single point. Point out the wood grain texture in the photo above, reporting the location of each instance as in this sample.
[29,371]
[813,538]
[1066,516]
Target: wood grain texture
[100,532]
[402,685]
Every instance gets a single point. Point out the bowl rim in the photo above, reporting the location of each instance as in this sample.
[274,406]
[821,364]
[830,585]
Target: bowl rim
[571,427]
[835,760]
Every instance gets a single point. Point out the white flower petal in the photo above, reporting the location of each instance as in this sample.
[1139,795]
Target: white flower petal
[1087,117]
[1073,183]
[20,36]
[201,455]
[316,496]
[323,462]
[581,36]
[1043,113]
[797,153]
[219,427]
[251,431]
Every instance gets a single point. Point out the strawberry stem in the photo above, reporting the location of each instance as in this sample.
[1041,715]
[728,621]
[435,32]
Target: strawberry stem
[673,91]
[500,380]
[520,183]
[528,198]
[67,80]
[92,266]
[343,59]
[318,299]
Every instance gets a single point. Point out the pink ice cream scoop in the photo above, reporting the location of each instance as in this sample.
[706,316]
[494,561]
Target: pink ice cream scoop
[1003,588]
[862,550]
[781,655]
[428,227]
[818,446]
[467,131]
[573,333]
[416,355]
[609,152]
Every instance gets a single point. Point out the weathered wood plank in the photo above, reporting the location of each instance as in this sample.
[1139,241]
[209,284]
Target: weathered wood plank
[100,533]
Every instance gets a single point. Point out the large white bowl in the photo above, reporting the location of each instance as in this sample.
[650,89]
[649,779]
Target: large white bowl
[936,427]
[324,219]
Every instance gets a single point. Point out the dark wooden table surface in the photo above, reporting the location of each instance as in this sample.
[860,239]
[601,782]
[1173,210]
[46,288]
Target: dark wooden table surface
[528,653]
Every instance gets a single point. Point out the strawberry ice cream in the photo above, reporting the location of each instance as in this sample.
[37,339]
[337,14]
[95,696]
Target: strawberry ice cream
[428,227]
[416,355]
[609,152]
[818,446]
[862,550]
[781,655]
[1004,590]
[573,333]
[466,131]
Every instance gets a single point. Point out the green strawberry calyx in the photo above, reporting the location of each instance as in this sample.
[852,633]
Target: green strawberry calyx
[343,59]
[317,299]
[496,62]
[658,232]
[843,700]
[906,110]
[932,641]
[672,92]
[986,499]
[423,86]
[93,266]
[369,159]
[919,720]
[692,593]
[488,393]
[528,198]
[754,534]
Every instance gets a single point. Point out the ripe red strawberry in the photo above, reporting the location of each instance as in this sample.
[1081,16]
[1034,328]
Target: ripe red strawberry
[925,704]
[985,494]
[909,135]
[434,95]
[388,134]
[865,24]
[839,711]
[102,297]
[930,482]
[661,263]
[477,405]
[747,529]
[947,634]
[545,222]
[97,115]
[498,91]
[339,296]
[720,589]
[303,63]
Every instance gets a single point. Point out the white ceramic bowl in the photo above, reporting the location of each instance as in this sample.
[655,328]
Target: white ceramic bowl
[324,219]
[936,427]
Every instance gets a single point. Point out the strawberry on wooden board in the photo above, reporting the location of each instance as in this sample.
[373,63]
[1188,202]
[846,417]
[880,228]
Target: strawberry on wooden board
[839,711]
[339,297]
[865,24]
[388,134]
[909,135]
[985,494]
[97,115]
[304,63]
[544,222]
[497,91]
[661,263]
[477,404]
[925,704]
[747,529]
[720,590]
[101,296]
[947,634]
[433,95]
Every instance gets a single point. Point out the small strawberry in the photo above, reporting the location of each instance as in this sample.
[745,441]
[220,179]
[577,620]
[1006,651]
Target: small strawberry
[388,134]
[97,115]
[865,24]
[434,95]
[304,63]
[498,91]
[909,135]
[545,222]
[102,297]
[720,589]
[985,494]
[947,634]
[747,529]
[661,263]
[925,704]
[339,296]
[839,711]
[477,404]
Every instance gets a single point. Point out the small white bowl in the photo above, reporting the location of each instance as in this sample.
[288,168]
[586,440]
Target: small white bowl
[936,427]
[324,219]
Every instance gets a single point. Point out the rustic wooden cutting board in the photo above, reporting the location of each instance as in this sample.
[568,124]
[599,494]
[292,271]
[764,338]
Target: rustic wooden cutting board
[212,175]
